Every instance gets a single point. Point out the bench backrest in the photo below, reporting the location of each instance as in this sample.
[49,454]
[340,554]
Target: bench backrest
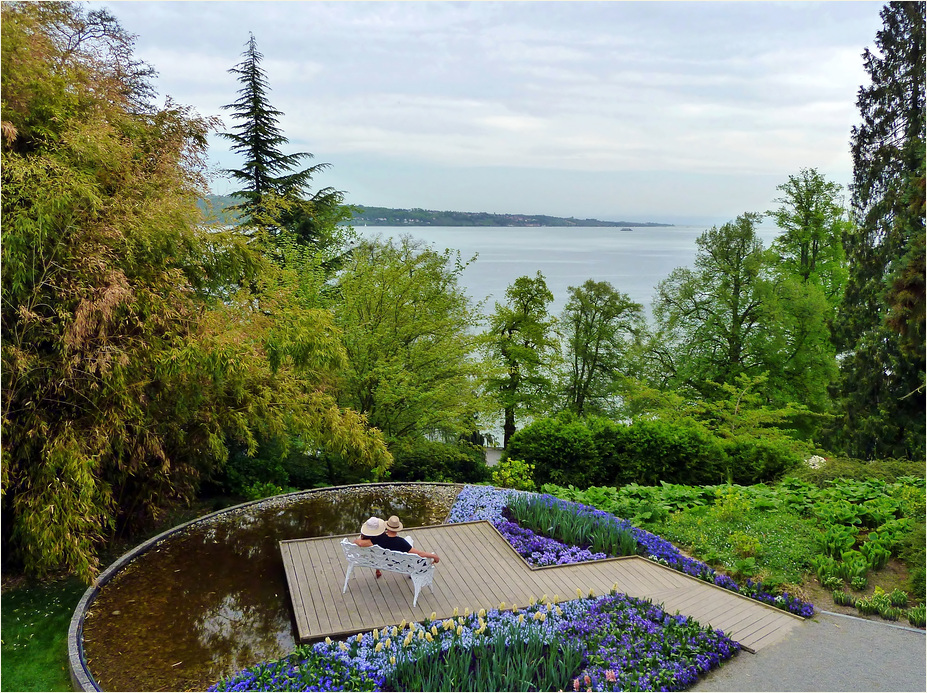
[378,557]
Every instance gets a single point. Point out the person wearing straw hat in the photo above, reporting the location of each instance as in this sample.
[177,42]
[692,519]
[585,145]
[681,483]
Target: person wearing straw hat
[372,529]
[390,539]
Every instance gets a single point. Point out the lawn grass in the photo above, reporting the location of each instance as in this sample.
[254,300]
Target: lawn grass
[35,635]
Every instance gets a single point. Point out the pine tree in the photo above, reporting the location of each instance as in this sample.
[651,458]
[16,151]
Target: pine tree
[882,386]
[274,190]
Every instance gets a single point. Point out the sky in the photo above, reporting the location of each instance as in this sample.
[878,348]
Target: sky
[678,112]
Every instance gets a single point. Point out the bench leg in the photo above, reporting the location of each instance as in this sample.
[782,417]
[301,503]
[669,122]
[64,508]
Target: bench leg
[347,577]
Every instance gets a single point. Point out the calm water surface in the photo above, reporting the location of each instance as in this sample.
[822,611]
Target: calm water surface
[634,261]
[213,599]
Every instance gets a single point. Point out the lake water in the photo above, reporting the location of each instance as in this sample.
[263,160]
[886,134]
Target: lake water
[634,261]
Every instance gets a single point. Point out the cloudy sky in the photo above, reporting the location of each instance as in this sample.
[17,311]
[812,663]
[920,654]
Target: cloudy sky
[644,111]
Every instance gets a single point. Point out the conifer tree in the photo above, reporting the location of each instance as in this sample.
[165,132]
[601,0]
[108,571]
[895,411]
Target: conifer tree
[882,386]
[275,192]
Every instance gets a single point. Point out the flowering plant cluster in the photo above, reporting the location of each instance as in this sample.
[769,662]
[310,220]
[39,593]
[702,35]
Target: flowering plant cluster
[596,643]
[486,503]
[539,550]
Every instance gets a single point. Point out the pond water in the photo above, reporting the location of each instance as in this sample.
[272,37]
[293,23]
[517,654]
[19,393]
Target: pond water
[212,599]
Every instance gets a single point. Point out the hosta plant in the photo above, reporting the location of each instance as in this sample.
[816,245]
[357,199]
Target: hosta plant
[841,598]
[917,616]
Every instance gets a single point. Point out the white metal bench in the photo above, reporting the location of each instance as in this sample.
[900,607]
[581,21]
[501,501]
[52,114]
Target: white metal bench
[421,569]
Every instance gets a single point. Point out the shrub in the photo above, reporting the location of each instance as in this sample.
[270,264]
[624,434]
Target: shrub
[560,448]
[515,474]
[755,460]
[673,453]
[427,460]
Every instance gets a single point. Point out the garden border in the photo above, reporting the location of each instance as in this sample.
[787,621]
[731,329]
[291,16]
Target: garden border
[81,677]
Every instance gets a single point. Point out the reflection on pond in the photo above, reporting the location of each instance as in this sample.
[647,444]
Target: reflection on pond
[213,599]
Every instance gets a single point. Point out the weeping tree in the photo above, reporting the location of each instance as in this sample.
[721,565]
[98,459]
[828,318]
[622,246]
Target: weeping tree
[132,350]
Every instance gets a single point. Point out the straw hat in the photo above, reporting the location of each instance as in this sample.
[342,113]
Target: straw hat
[393,524]
[373,527]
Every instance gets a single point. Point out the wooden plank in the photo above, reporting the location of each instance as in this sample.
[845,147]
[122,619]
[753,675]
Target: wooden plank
[479,569]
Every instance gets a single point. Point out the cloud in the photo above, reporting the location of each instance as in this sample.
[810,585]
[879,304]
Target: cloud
[585,89]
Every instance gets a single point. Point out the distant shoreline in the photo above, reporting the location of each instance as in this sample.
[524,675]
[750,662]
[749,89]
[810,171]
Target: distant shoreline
[385,216]
[415,217]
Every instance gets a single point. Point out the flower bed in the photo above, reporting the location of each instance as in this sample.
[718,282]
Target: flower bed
[487,503]
[608,643]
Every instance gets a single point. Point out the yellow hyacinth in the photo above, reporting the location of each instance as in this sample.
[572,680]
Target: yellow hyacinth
[521,618]
[392,660]
[379,647]
[344,647]
[433,616]
[402,625]
[462,621]
[456,612]
[467,612]
[542,616]
[579,593]
[591,594]
[434,630]
[556,598]
[376,634]
[387,643]
[482,613]
[394,632]
[428,637]
[459,630]
[360,637]
[328,641]
[544,598]
[407,641]
[532,601]
[501,606]
[559,611]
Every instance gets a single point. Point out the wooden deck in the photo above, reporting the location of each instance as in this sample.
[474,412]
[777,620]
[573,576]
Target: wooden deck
[479,569]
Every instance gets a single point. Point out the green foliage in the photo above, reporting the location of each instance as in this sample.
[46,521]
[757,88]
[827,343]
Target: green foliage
[137,343]
[913,552]
[888,470]
[880,323]
[560,448]
[574,528]
[271,196]
[521,351]
[782,543]
[842,598]
[405,322]
[812,219]
[515,474]
[731,315]
[917,616]
[426,460]
[512,660]
[599,325]
[35,631]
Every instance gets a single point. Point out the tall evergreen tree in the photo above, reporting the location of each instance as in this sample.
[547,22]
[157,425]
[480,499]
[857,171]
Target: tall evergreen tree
[275,191]
[882,384]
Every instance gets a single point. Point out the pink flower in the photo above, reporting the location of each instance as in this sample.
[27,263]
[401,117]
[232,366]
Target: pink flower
[575,684]
[610,676]
[587,680]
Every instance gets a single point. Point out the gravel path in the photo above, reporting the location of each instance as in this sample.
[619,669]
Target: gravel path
[831,652]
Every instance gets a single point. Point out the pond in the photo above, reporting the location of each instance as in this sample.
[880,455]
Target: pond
[212,598]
